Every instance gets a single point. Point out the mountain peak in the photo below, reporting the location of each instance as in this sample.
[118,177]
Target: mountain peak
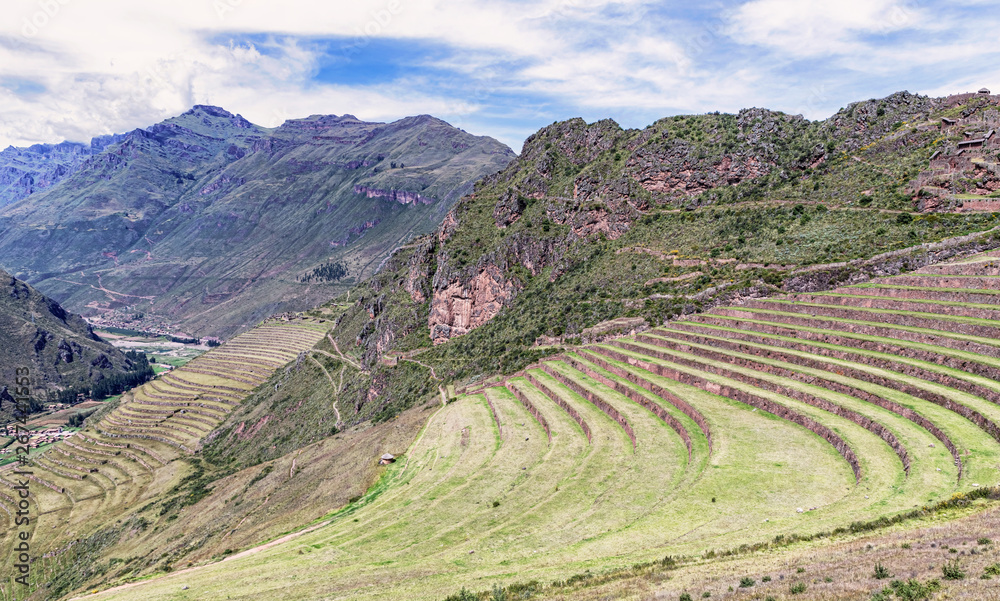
[208,109]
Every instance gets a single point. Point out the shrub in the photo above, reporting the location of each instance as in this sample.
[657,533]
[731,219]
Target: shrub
[984,541]
[904,546]
[463,595]
[881,572]
[496,503]
[904,218]
[800,570]
[798,587]
[913,590]
[992,570]
[766,579]
[952,570]
[746,582]
[498,594]
[684,597]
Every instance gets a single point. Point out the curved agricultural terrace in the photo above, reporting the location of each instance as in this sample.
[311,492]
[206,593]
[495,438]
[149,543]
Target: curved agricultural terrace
[789,415]
[108,469]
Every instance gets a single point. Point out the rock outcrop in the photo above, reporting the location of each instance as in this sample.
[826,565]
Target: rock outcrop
[459,307]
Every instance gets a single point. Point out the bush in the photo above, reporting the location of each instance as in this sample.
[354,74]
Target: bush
[684,597]
[952,570]
[766,579]
[992,570]
[904,218]
[984,541]
[798,587]
[498,594]
[746,582]
[881,572]
[914,590]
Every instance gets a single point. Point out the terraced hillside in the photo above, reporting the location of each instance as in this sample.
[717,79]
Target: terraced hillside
[777,417]
[128,458]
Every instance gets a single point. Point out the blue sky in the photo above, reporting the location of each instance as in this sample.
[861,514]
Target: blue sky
[72,69]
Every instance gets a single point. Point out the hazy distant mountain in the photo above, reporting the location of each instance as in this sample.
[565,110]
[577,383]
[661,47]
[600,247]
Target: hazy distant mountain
[207,223]
[25,171]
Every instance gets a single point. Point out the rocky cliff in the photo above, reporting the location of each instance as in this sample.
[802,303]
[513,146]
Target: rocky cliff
[576,186]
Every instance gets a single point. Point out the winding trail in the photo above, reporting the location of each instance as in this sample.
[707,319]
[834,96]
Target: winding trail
[433,373]
[336,390]
[342,355]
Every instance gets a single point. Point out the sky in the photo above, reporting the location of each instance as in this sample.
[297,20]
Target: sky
[74,69]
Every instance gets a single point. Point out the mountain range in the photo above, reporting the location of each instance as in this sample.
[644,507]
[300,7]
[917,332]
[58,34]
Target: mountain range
[205,223]
[25,171]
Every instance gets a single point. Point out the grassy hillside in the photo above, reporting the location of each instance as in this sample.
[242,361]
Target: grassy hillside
[593,223]
[794,418]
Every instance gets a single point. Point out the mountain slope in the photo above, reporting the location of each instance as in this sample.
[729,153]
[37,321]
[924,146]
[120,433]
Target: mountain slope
[596,229]
[25,171]
[207,223]
[58,347]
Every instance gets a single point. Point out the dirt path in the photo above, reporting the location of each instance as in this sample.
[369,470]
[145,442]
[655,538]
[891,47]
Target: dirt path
[433,373]
[342,355]
[335,388]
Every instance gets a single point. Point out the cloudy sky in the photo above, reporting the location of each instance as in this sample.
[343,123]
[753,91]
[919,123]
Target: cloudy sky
[72,69]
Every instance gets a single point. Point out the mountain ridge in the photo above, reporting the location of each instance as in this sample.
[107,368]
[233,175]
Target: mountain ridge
[218,207]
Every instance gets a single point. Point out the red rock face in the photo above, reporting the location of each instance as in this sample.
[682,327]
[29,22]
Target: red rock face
[448,227]
[461,307]
[689,180]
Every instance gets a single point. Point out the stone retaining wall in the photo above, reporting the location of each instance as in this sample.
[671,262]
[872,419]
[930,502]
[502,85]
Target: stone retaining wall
[594,400]
[865,422]
[881,363]
[746,398]
[896,304]
[863,329]
[493,410]
[558,400]
[829,384]
[644,402]
[523,398]
[934,295]
[911,321]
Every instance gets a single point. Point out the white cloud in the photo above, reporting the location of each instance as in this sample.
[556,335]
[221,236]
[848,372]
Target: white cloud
[805,28]
[74,68]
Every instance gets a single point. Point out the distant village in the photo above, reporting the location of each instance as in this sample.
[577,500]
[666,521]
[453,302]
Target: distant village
[967,167]
[37,438]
